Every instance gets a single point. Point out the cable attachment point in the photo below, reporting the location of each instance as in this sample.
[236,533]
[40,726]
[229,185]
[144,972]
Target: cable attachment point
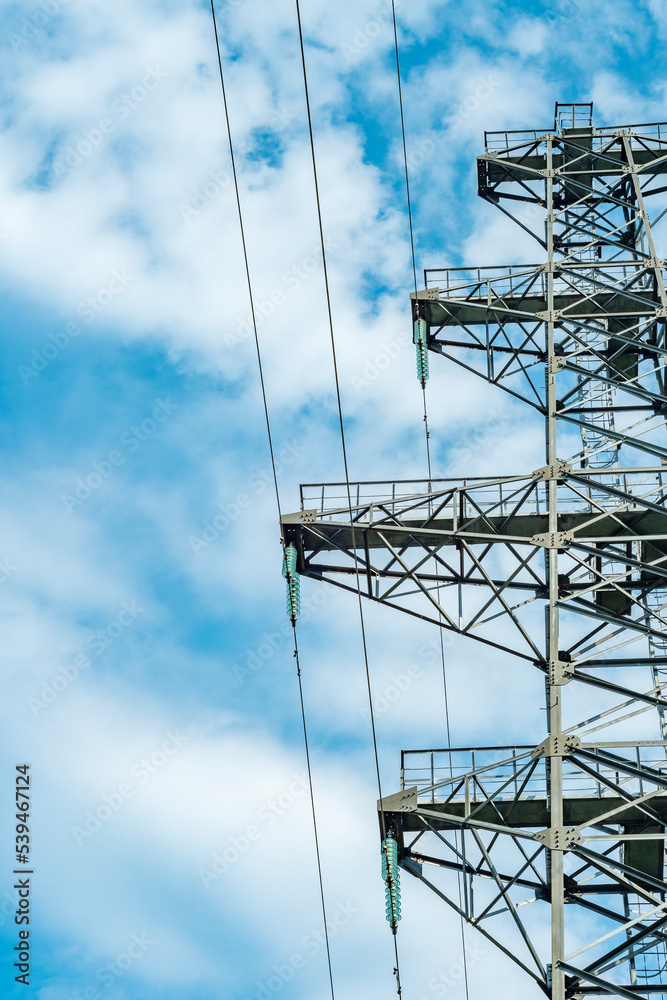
[293,583]
[420,338]
[392,879]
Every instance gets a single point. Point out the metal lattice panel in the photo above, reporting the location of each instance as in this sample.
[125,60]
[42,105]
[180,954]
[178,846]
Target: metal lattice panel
[556,852]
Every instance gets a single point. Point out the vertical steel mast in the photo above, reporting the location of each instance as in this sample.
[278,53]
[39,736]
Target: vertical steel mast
[558,849]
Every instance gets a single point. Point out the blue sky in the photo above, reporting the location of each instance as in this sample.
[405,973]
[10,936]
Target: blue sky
[127,364]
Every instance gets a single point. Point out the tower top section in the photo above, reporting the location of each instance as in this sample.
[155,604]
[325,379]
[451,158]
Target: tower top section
[573,117]
[592,182]
[570,120]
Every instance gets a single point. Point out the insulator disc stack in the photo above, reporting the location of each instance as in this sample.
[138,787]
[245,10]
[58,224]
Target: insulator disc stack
[293,603]
[392,879]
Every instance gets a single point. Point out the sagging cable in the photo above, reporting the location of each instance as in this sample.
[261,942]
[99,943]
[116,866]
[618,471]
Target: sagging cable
[275,482]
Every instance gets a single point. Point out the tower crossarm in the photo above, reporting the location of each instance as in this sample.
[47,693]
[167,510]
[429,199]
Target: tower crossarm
[469,555]
[483,814]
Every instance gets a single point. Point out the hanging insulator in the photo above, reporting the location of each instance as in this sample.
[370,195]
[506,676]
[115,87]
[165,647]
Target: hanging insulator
[422,363]
[420,338]
[293,604]
[392,879]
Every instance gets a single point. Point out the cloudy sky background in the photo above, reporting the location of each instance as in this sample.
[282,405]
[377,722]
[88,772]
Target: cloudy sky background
[126,358]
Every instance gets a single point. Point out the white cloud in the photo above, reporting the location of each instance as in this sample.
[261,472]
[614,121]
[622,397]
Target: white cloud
[528,37]
[121,208]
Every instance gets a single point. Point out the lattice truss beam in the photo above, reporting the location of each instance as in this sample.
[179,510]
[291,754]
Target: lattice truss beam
[473,825]
[556,852]
[471,558]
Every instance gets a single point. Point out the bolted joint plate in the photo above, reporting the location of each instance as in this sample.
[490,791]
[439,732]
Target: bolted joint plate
[557,470]
[553,539]
[560,672]
[559,838]
[557,746]
[301,517]
[405,801]
[549,315]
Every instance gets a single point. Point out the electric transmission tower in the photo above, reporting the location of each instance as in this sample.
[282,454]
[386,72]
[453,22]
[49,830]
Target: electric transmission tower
[554,852]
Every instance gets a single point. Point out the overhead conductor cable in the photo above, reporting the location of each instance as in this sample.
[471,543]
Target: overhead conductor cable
[344,451]
[289,552]
[420,337]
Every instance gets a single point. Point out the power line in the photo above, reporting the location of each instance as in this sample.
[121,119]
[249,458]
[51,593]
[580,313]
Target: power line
[451,773]
[245,257]
[312,808]
[412,235]
[343,445]
[428,450]
[275,483]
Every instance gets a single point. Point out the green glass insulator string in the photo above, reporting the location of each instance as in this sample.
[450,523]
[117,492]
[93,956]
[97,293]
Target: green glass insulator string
[293,603]
[420,338]
[392,879]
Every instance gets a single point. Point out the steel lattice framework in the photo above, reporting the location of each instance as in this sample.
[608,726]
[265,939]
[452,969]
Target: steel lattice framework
[554,852]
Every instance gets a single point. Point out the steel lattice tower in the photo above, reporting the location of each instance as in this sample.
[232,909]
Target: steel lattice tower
[554,852]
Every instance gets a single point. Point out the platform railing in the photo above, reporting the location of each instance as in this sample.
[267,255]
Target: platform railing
[485,284]
[462,499]
[473,774]
[505,140]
